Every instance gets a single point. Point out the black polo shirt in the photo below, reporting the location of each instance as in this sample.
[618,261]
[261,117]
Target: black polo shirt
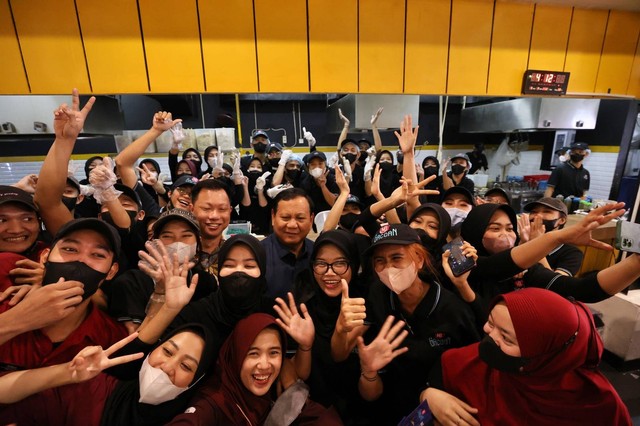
[441,321]
[283,266]
[567,180]
[566,258]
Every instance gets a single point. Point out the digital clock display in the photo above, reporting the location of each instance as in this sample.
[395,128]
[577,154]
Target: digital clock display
[536,82]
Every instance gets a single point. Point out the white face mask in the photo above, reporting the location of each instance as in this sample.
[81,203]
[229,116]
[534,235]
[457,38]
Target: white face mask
[254,170]
[212,162]
[398,280]
[156,386]
[562,159]
[456,215]
[316,172]
[184,251]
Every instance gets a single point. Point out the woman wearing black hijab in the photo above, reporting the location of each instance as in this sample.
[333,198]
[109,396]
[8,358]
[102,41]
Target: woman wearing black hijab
[149,391]
[241,292]
[335,257]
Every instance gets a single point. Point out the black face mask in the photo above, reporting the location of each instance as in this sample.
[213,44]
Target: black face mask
[350,156]
[348,220]
[106,216]
[69,202]
[430,171]
[260,148]
[253,176]
[241,291]
[458,169]
[576,158]
[490,353]
[293,174]
[363,156]
[426,240]
[74,271]
[549,225]
[386,167]
[274,162]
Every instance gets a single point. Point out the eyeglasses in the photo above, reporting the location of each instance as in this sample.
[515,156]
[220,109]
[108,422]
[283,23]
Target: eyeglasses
[339,267]
[183,191]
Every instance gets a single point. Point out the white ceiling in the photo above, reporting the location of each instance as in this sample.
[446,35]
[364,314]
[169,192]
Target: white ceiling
[633,5]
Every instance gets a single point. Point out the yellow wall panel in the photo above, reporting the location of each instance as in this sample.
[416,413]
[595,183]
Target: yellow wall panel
[549,38]
[509,48]
[634,80]
[281,27]
[172,44]
[619,49]
[333,45]
[583,51]
[13,80]
[381,60]
[51,46]
[113,45]
[228,45]
[427,46]
[471,22]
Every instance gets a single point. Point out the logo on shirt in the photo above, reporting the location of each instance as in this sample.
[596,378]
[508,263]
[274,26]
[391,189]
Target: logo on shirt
[438,339]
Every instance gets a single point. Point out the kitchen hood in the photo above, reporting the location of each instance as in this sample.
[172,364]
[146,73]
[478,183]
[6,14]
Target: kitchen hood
[359,109]
[530,114]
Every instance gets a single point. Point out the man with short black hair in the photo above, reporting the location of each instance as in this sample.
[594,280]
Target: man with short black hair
[288,249]
[259,142]
[571,178]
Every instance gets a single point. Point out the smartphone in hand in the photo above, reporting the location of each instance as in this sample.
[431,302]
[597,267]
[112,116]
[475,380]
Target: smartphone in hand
[458,262]
[628,236]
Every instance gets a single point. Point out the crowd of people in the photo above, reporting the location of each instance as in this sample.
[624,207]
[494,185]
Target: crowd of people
[122,302]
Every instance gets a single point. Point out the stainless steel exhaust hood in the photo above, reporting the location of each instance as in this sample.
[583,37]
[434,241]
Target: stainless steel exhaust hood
[359,108]
[529,114]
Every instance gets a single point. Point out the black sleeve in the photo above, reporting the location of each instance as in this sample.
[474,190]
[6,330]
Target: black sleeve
[585,289]
[368,221]
[149,205]
[553,179]
[468,184]
[173,165]
[436,379]
[499,266]
[129,370]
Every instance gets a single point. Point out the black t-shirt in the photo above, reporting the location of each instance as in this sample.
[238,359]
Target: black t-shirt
[566,258]
[441,321]
[466,183]
[567,180]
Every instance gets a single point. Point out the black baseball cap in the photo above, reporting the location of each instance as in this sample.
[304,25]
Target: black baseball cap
[314,154]
[579,145]
[260,133]
[175,214]
[184,180]
[552,203]
[129,193]
[500,191]
[74,182]
[459,190]
[353,199]
[274,145]
[12,194]
[346,141]
[397,233]
[94,224]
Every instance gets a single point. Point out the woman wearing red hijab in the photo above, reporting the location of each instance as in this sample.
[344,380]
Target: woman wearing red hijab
[537,365]
[251,367]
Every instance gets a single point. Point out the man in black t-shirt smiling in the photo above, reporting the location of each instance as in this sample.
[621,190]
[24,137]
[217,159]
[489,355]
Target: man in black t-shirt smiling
[571,178]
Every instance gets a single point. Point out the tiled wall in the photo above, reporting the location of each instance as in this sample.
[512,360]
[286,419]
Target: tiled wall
[600,165]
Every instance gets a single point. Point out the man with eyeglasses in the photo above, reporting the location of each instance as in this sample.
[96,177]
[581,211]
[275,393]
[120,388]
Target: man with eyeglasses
[288,249]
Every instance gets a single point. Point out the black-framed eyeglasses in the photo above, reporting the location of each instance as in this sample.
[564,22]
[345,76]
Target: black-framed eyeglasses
[339,267]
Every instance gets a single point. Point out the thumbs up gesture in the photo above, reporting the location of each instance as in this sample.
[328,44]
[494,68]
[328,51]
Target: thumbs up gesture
[352,311]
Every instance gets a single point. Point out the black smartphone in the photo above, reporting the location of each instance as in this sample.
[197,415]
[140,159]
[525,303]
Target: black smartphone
[458,261]
[628,236]
[421,416]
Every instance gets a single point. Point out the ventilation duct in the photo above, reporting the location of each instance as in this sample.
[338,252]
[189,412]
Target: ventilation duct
[359,109]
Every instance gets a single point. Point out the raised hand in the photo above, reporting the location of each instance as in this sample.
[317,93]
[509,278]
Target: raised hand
[262,181]
[60,299]
[352,311]
[461,282]
[27,272]
[27,183]
[376,115]
[368,167]
[341,181]
[344,119]
[272,192]
[308,137]
[407,136]
[375,183]
[536,228]
[177,292]
[417,189]
[147,176]
[176,132]
[286,154]
[68,122]
[150,262]
[333,160]
[580,234]
[163,121]
[92,360]
[384,347]
[299,327]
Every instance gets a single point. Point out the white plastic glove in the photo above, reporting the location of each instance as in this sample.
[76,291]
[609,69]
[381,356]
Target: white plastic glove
[178,136]
[286,154]
[219,161]
[368,167]
[333,160]
[72,168]
[237,173]
[102,178]
[371,152]
[347,170]
[262,181]
[272,192]
[86,190]
[309,137]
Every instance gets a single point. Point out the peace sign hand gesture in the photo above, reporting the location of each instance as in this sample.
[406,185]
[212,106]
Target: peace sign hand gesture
[68,122]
